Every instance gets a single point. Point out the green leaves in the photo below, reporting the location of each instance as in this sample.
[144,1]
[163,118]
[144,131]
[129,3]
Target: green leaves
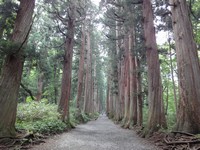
[39,117]
[8,47]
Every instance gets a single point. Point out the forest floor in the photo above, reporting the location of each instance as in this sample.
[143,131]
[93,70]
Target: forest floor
[100,134]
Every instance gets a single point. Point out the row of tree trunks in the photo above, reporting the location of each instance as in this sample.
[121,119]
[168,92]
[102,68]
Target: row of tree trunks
[129,77]
[124,82]
[87,90]
[188,118]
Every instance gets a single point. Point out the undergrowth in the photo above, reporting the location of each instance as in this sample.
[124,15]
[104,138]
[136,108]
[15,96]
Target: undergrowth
[42,117]
[39,117]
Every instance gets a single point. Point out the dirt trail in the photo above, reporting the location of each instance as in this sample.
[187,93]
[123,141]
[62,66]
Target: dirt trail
[101,134]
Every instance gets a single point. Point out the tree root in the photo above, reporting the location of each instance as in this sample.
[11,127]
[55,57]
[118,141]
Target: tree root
[184,142]
[176,141]
[7,142]
[181,132]
[21,141]
[180,142]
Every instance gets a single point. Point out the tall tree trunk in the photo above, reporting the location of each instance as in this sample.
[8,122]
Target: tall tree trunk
[92,106]
[188,118]
[127,83]
[95,86]
[156,117]
[63,107]
[118,116]
[111,103]
[88,80]
[173,80]
[139,94]
[107,98]
[81,72]
[122,86]
[133,84]
[12,70]
[167,100]
[55,83]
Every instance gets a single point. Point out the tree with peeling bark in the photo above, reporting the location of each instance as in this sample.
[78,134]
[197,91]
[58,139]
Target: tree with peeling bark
[156,116]
[126,83]
[88,104]
[12,69]
[188,119]
[133,83]
[81,72]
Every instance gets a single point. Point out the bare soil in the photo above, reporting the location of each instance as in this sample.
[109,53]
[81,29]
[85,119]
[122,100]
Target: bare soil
[101,134]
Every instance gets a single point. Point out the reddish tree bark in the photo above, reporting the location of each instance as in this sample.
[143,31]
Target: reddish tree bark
[156,116]
[88,81]
[63,106]
[111,104]
[133,84]
[122,86]
[12,70]
[107,98]
[188,118]
[127,83]
[139,95]
[81,72]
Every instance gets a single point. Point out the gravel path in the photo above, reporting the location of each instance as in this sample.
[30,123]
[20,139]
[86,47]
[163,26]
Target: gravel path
[101,134]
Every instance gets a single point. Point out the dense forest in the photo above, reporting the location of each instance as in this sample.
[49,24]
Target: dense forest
[64,62]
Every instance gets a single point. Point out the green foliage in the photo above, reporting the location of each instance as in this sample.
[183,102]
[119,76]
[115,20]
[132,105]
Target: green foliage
[89,117]
[171,120]
[42,117]
[145,115]
[83,117]
[8,13]
[39,117]
[8,47]
[29,99]
[197,136]
[73,119]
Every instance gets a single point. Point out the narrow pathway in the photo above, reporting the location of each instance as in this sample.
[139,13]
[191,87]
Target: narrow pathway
[101,134]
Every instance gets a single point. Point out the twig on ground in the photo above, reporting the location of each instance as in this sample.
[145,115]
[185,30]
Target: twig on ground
[185,133]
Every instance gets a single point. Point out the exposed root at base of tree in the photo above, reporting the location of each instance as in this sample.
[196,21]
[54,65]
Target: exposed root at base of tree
[22,141]
[176,141]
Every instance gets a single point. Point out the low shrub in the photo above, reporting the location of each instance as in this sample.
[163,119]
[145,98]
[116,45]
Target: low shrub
[39,117]
[42,117]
